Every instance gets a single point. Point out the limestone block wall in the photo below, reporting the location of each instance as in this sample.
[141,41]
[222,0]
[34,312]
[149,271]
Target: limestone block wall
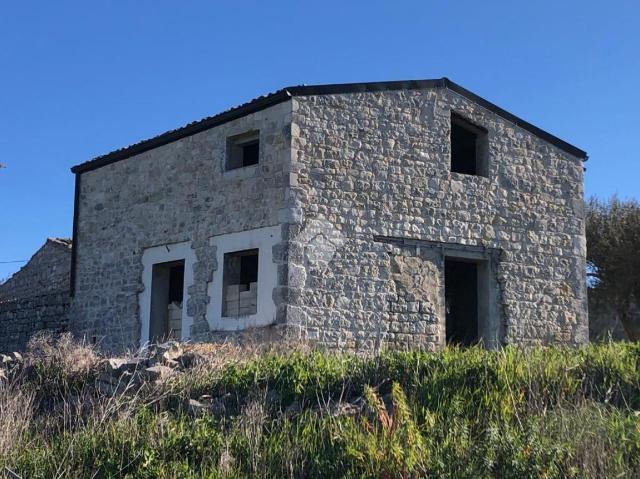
[22,318]
[377,163]
[175,193]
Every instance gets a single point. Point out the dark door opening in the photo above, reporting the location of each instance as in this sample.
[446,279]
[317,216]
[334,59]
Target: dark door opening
[167,286]
[461,302]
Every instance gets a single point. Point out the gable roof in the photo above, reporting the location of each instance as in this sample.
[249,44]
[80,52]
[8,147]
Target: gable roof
[287,93]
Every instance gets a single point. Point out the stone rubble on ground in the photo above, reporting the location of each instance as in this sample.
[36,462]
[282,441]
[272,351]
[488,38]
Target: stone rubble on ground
[10,365]
[154,363]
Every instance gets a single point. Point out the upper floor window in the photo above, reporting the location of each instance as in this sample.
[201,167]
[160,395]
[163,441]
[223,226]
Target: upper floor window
[243,150]
[469,147]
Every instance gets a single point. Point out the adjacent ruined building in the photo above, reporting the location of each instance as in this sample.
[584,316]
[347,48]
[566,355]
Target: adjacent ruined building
[358,216]
[37,297]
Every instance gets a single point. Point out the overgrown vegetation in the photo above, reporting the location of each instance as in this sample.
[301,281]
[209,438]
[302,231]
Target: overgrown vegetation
[460,413]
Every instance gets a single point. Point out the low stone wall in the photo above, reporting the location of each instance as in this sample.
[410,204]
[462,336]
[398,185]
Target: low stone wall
[20,319]
[46,272]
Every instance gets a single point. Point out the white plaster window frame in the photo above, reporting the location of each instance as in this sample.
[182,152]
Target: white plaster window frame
[262,239]
[164,254]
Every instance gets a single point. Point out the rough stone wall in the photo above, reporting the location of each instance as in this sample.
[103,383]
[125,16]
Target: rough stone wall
[336,170]
[46,272]
[174,193]
[418,300]
[378,163]
[22,318]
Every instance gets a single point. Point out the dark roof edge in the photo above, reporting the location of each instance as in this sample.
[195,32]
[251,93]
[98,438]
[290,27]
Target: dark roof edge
[525,125]
[188,130]
[340,88]
[285,94]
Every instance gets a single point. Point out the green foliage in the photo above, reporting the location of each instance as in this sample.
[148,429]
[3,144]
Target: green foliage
[145,446]
[459,414]
[388,444]
[613,242]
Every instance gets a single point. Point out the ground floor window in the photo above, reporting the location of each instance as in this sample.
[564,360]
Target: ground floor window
[240,283]
[241,290]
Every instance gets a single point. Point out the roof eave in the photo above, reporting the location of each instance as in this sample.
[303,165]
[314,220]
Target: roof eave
[330,89]
[188,130]
[554,140]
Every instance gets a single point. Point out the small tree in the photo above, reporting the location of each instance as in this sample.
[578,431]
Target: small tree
[613,257]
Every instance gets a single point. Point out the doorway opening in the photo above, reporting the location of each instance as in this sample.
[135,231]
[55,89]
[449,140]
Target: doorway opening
[167,290]
[461,281]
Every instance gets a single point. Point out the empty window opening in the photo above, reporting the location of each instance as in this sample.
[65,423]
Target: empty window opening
[167,287]
[243,150]
[468,147]
[461,302]
[240,283]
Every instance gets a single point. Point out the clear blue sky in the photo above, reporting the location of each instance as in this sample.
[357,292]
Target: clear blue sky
[79,79]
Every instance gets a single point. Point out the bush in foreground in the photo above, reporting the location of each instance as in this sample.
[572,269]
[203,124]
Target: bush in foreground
[460,413]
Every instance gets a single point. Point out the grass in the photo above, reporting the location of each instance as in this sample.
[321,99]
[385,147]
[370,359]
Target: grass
[543,413]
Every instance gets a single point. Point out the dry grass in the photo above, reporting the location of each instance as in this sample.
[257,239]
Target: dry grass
[16,413]
[72,356]
[251,422]
[246,348]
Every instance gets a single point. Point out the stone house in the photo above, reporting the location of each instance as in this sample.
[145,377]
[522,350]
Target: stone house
[359,216]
